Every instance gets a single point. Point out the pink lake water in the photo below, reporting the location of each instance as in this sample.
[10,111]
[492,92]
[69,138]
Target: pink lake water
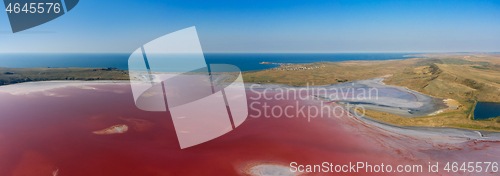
[51,133]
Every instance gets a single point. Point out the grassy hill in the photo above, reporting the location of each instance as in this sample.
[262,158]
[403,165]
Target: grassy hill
[454,77]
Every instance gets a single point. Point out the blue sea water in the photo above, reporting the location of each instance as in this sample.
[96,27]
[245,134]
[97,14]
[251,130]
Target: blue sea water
[486,110]
[245,61]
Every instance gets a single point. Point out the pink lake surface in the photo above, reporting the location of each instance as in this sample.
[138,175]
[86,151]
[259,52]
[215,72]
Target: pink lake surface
[52,131]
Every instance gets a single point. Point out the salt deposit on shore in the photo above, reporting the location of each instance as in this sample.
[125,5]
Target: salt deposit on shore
[268,169]
[30,87]
[116,129]
[375,96]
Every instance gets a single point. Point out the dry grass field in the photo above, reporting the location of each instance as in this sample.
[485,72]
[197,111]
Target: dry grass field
[455,78]
[451,118]
[19,75]
[327,72]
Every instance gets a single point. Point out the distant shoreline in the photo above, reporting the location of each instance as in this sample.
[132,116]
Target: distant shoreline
[245,61]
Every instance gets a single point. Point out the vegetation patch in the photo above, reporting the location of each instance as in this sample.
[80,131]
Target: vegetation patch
[20,75]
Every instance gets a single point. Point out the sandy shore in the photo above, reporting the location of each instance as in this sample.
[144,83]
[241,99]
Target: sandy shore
[30,87]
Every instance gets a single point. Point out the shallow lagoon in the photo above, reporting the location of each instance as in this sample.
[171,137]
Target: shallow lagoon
[486,110]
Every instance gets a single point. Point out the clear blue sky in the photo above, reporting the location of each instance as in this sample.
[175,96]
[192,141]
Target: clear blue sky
[268,26]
